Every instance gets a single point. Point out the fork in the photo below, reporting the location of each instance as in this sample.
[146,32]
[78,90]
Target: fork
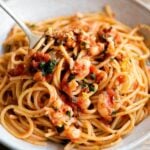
[33,38]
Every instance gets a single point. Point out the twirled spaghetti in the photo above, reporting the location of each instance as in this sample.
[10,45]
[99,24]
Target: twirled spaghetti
[85,83]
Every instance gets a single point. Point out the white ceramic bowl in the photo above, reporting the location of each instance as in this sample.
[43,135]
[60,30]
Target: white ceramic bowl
[126,11]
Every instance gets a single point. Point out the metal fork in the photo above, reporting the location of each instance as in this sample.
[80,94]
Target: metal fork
[33,38]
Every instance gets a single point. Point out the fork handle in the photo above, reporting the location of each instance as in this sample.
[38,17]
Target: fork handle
[17,20]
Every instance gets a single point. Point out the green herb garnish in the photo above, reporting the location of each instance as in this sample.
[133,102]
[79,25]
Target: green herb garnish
[91,87]
[42,65]
[48,67]
[93,76]
[112,59]
[85,45]
[68,113]
[83,84]
[114,112]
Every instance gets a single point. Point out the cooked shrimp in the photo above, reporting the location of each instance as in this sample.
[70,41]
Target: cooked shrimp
[81,68]
[105,106]
[60,113]
[97,49]
[72,133]
[83,101]
[70,87]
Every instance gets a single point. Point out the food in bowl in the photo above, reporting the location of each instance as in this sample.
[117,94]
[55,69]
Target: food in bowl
[85,84]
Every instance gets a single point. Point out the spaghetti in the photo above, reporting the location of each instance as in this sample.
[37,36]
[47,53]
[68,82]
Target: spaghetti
[85,84]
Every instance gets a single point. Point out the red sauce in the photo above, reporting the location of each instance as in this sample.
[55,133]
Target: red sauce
[40,56]
[18,70]
[135,85]
[121,79]
[111,93]
[66,100]
[93,69]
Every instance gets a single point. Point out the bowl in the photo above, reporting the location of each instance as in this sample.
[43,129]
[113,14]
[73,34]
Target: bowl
[127,11]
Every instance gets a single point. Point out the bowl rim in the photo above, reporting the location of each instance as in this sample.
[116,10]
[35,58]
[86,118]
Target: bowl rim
[131,145]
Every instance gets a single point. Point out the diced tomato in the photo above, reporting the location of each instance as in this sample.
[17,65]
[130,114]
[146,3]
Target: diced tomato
[93,69]
[135,85]
[121,79]
[65,87]
[117,38]
[35,64]
[120,57]
[48,77]
[37,58]
[40,56]
[111,94]
[46,57]
[18,70]
[38,76]
[99,77]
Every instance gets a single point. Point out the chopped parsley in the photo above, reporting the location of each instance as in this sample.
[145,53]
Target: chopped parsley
[68,113]
[42,64]
[85,45]
[112,59]
[93,76]
[91,87]
[114,112]
[83,84]
[47,68]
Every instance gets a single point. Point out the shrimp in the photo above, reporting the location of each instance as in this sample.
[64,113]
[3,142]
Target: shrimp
[83,101]
[72,133]
[105,106]
[96,50]
[60,113]
[81,68]
[70,87]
